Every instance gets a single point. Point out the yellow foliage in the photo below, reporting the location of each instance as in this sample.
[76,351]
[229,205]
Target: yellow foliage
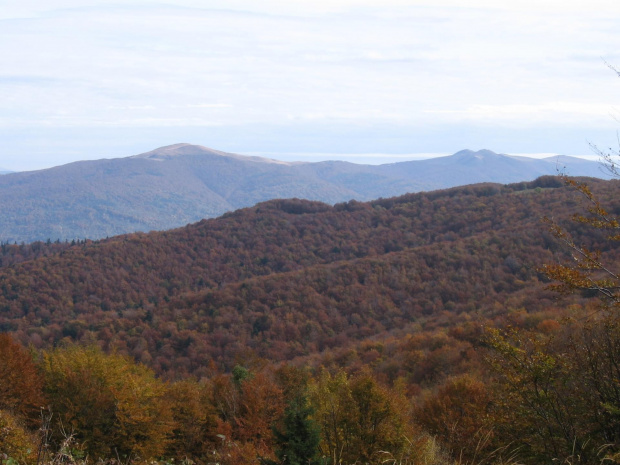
[15,441]
[113,405]
[358,417]
[195,420]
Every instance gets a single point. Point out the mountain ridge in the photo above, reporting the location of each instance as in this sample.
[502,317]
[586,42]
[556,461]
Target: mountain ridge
[183,183]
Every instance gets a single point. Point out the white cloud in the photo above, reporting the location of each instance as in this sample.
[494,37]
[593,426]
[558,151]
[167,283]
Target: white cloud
[83,63]
[596,114]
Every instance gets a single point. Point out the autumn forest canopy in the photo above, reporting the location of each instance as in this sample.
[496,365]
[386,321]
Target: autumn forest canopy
[414,329]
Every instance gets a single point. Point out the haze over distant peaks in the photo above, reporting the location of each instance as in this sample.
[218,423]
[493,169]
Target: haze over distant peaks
[183,183]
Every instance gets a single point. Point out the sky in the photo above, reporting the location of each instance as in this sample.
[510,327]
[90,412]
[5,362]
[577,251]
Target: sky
[358,80]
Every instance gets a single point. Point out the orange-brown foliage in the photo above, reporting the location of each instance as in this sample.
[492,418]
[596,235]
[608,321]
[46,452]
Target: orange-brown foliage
[21,386]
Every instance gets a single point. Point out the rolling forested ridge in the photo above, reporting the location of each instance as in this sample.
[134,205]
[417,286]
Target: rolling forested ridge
[406,330]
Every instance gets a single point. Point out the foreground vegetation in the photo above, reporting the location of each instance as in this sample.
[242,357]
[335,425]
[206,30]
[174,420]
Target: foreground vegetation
[105,406]
[384,342]
[78,404]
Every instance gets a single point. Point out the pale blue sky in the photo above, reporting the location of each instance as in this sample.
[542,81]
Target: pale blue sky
[91,79]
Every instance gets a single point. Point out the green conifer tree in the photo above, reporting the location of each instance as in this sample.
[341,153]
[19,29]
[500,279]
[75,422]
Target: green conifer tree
[298,443]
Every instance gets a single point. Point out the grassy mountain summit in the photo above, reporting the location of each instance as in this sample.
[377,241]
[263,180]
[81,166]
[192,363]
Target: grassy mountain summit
[183,183]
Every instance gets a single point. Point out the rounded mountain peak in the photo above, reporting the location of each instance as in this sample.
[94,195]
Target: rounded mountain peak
[180,150]
[177,150]
[484,153]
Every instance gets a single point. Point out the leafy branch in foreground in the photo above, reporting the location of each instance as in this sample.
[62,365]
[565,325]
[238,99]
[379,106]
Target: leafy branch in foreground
[588,271]
[559,391]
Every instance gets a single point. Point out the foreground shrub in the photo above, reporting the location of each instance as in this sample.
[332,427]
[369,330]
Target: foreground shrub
[459,413]
[21,390]
[359,419]
[114,407]
[16,442]
[195,421]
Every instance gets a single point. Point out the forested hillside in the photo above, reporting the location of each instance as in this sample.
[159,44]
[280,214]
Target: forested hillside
[395,298]
[339,274]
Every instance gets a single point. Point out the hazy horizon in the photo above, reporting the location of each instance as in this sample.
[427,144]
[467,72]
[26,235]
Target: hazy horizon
[357,158]
[83,79]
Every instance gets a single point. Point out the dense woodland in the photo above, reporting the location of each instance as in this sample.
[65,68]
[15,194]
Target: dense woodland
[416,329]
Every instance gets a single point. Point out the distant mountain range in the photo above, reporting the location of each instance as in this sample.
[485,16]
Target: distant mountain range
[179,184]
